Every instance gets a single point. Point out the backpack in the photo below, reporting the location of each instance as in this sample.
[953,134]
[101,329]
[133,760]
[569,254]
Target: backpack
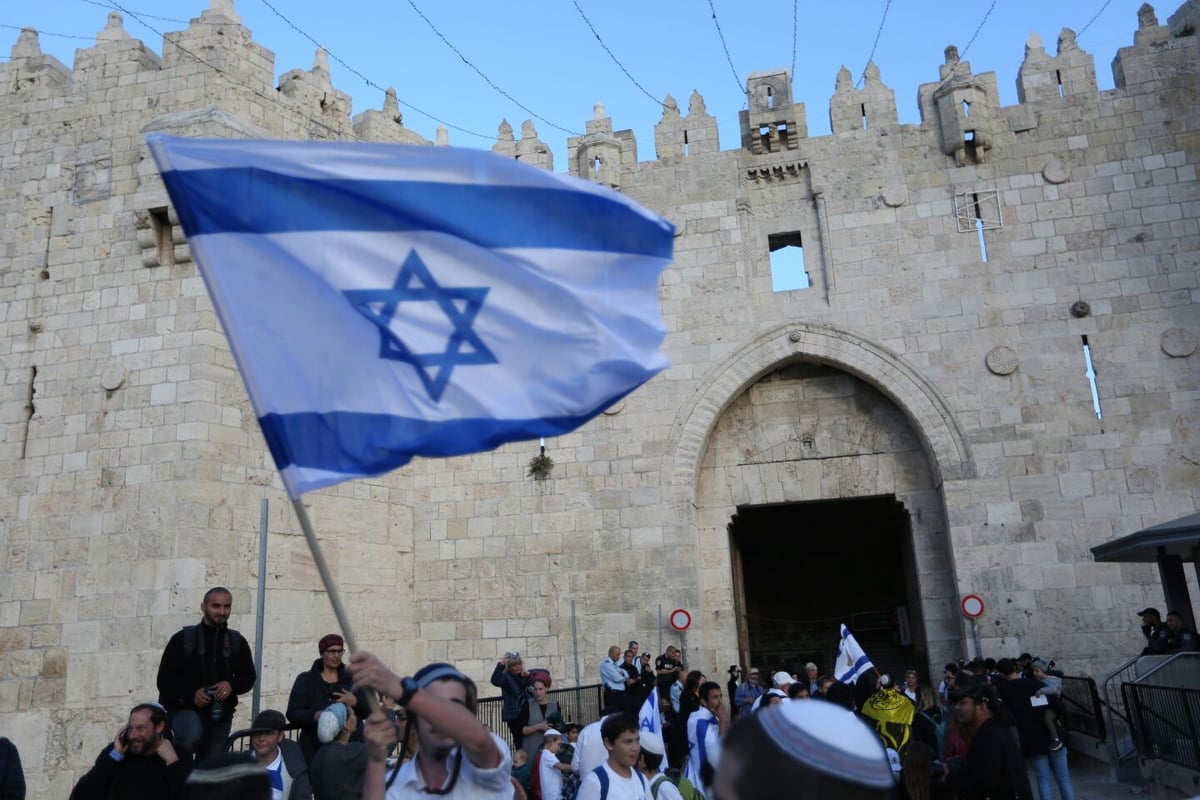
[685,787]
[535,777]
[939,730]
[602,774]
[233,641]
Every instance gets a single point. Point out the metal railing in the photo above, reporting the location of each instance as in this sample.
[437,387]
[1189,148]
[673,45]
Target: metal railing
[578,704]
[1084,711]
[1165,722]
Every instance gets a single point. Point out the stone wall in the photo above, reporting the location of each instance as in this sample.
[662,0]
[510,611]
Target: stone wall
[133,471]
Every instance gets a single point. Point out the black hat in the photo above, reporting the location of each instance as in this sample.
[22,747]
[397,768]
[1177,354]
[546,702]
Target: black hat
[269,720]
[1149,610]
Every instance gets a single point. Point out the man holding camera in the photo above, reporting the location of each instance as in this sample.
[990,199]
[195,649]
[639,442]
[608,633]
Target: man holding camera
[203,670]
[139,764]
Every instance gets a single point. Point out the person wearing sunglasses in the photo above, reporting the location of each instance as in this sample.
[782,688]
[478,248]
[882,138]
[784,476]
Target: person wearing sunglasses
[327,681]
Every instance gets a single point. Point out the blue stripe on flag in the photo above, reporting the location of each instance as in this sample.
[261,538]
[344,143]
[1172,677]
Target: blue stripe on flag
[255,201]
[357,444]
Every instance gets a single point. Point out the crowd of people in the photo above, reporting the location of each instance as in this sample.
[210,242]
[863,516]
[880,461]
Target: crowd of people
[361,730]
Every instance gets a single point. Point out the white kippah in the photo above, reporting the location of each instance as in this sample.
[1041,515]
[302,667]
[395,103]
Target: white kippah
[829,739]
[330,722]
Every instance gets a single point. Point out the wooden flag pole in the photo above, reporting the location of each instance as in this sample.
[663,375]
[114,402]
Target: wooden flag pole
[335,599]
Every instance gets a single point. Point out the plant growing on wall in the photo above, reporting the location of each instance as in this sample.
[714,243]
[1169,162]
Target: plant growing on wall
[540,466]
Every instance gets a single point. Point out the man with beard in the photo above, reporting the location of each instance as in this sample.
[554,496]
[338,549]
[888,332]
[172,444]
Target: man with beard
[139,764]
[994,766]
[203,670]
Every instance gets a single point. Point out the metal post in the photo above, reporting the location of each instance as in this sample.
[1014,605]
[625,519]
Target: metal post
[975,637]
[660,644]
[260,611]
[575,648]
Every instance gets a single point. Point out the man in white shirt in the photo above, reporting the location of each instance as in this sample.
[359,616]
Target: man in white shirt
[705,727]
[282,757]
[589,749]
[457,757]
[617,778]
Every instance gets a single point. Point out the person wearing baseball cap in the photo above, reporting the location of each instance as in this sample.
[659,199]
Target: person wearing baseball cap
[1155,631]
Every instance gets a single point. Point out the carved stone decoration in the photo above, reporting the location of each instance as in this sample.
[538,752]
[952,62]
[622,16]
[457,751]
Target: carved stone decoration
[1178,342]
[1056,172]
[1001,360]
[93,181]
[795,336]
[615,408]
[1081,309]
[894,195]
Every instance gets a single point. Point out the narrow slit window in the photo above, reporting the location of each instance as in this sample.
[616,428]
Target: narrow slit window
[1058,78]
[596,164]
[1091,376]
[160,223]
[770,97]
[686,144]
[787,262]
[966,109]
[863,108]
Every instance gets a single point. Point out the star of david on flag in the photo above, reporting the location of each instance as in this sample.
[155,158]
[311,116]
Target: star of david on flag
[851,661]
[389,301]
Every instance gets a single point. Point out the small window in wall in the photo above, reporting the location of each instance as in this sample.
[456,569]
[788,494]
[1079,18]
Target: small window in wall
[787,262]
[160,224]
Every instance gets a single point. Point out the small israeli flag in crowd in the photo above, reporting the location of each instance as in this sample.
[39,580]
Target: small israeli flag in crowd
[390,301]
[851,661]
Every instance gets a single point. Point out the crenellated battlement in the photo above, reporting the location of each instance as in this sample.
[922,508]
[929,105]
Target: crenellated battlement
[215,61]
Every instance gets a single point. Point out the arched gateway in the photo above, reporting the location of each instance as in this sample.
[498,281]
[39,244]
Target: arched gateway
[812,464]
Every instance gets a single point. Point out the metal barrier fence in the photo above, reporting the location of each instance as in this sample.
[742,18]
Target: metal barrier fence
[1084,711]
[1165,722]
[579,704]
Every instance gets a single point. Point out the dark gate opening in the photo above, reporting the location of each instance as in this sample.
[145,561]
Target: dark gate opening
[802,569]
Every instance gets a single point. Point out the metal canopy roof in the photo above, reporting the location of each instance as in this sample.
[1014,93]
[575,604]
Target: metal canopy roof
[1179,538]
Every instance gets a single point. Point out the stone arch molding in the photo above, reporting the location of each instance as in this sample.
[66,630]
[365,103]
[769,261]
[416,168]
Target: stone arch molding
[944,443]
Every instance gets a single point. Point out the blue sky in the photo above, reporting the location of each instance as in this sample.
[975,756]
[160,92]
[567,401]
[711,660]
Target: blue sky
[545,57]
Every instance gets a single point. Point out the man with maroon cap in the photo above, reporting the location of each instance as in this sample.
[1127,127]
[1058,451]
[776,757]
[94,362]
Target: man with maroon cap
[327,681]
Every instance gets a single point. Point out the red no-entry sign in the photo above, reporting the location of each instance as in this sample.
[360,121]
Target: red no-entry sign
[680,619]
[972,606]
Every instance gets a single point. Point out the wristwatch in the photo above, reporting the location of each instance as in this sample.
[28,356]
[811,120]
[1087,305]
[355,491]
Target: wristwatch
[410,688]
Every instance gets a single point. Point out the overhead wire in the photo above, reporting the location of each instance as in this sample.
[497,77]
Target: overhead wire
[486,79]
[725,46]
[367,80]
[1095,17]
[611,55]
[48,33]
[274,100]
[975,35]
[141,13]
[879,32]
[792,74]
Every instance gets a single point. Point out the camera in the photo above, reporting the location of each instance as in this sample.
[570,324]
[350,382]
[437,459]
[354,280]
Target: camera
[216,711]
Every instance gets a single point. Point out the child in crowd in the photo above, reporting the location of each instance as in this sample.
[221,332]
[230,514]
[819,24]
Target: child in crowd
[1053,688]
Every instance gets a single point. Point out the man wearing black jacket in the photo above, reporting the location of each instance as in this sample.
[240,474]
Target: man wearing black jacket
[139,764]
[1025,698]
[994,768]
[203,670]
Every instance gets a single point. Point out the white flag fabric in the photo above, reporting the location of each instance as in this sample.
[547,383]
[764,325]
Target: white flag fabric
[389,301]
[851,660]
[650,719]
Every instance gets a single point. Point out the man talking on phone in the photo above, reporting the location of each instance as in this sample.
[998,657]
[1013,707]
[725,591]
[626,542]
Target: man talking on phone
[139,763]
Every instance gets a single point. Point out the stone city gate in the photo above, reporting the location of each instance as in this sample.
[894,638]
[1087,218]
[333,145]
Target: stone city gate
[812,464]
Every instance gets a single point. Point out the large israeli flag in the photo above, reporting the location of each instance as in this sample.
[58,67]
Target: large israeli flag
[851,660]
[389,301]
